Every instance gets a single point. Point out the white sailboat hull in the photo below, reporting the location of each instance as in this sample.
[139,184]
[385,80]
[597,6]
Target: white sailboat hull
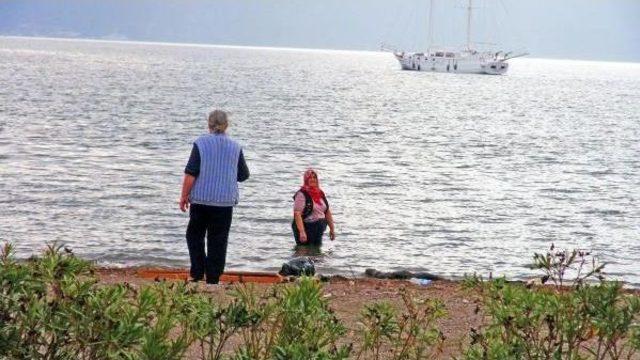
[470,64]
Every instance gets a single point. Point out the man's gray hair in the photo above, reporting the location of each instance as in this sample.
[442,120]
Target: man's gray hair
[218,121]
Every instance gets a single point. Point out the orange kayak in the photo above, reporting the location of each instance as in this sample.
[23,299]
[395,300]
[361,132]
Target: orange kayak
[227,277]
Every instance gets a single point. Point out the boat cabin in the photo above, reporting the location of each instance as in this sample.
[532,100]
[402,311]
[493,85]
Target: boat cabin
[444,54]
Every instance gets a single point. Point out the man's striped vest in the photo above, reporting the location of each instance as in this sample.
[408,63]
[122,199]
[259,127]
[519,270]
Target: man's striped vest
[217,183]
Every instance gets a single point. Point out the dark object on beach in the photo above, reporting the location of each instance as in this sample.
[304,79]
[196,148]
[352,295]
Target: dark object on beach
[401,275]
[298,266]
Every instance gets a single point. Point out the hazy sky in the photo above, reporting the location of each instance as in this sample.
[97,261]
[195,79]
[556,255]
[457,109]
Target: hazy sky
[575,29]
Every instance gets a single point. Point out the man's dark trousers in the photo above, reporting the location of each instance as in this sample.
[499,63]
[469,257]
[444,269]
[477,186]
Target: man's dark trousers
[215,222]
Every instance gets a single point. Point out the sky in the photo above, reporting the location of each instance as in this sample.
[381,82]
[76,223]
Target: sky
[567,29]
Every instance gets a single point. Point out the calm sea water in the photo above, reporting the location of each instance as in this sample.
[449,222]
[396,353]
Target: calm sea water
[445,173]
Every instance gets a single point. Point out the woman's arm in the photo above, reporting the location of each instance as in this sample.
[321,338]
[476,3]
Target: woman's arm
[297,216]
[332,232]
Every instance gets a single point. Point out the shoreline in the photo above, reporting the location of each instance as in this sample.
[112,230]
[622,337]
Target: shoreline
[140,274]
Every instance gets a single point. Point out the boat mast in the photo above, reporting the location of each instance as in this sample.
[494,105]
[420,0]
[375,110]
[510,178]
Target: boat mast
[430,26]
[469,25]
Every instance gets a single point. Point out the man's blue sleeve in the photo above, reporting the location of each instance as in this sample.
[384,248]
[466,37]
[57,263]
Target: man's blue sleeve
[193,166]
[243,170]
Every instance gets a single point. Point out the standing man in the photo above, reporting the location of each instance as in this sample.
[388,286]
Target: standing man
[210,186]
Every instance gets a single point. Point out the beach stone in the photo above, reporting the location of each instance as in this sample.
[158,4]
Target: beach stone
[338,278]
[298,266]
[400,275]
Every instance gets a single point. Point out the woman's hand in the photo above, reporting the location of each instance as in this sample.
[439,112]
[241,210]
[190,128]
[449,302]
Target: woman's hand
[332,232]
[302,235]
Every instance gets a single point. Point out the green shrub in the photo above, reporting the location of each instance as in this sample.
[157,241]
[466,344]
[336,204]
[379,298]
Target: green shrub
[52,309]
[213,325]
[411,335]
[584,320]
[558,264]
[290,322]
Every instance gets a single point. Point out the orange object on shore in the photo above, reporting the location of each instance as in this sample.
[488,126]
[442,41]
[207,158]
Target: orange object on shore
[227,277]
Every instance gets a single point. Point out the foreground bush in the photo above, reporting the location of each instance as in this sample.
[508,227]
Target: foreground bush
[52,308]
[410,335]
[575,319]
[292,322]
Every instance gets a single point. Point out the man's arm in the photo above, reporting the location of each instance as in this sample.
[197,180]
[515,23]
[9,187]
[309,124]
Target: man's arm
[187,184]
[243,170]
[193,165]
[191,172]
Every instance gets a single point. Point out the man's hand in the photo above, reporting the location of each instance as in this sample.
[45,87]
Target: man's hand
[332,234]
[184,203]
[187,184]
[303,237]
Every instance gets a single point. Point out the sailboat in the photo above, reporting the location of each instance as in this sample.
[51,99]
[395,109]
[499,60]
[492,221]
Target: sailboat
[468,60]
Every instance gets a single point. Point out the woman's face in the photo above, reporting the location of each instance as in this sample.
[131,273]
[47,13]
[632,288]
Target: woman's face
[313,180]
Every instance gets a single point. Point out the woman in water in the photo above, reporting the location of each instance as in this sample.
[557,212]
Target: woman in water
[311,213]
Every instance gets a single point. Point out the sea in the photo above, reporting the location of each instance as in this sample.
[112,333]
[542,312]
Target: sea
[444,173]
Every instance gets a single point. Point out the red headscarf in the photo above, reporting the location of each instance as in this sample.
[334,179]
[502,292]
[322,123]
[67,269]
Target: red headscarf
[314,191]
